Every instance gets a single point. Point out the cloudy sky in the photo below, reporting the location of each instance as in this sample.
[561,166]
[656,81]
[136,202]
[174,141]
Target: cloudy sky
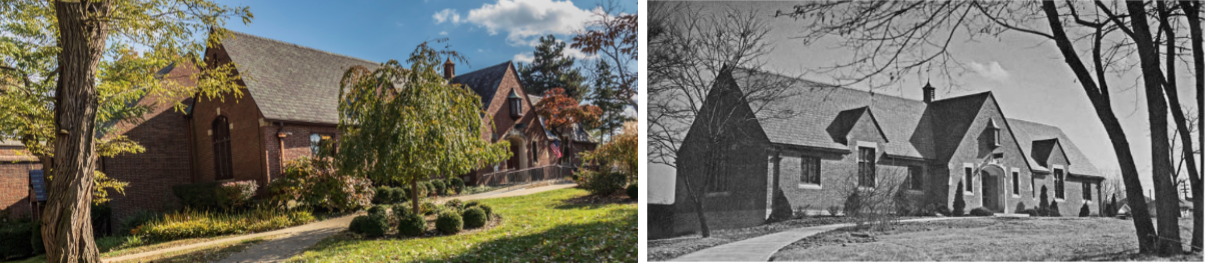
[488,32]
[1026,74]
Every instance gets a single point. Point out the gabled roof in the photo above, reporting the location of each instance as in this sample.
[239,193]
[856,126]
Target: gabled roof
[846,120]
[1027,131]
[484,81]
[953,117]
[579,134]
[1042,150]
[290,82]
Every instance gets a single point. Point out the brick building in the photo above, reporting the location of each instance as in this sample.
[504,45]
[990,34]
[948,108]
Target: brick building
[288,105]
[807,154]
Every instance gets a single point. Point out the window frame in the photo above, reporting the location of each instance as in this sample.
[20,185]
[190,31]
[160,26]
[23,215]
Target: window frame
[867,166]
[223,159]
[969,180]
[717,181]
[1016,183]
[1086,187]
[809,170]
[1060,183]
[916,178]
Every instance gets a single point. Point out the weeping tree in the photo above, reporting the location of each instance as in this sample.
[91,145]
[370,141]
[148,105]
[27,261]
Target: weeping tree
[894,39]
[66,66]
[407,125]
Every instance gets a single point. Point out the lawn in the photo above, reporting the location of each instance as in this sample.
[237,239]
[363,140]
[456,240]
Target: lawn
[666,249]
[551,226]
[983,239]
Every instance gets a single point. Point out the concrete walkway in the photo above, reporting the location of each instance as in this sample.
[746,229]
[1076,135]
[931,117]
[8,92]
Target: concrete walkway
[763,247]
[298,232]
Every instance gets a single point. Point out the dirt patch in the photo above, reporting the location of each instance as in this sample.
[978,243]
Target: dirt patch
[616,198]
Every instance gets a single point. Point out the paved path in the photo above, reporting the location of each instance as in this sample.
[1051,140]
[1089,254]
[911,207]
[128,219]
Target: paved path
[303,237]
[763,247]
[299,232]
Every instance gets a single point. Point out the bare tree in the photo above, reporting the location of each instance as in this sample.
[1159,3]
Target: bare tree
[891,39]
[691,56]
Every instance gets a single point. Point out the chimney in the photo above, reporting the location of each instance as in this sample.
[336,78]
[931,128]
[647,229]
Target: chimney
[449,69]
[928,90]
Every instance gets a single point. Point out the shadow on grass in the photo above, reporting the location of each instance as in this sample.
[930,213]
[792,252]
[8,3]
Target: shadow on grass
[588,242]
[593,202]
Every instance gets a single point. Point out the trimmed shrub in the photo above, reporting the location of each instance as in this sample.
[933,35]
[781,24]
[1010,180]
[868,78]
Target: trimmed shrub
[411,224]
[449,222]
[1031,212]
[35,239]
[472,204]
[102,218]
[489,211]
[474,217]
[959,204]
[15,240]
[233,195]
[370,225]
[1043,201]
[979,211]
[456,184]
[1020,208]
[632,191]
[431,189]
[428,208]
[945,211]
[192,223]
[455,204]
[315,183]
[381,210]
[1084,211]
[440,187]
[601,182]
[198,196]
[382,195]
[1054,209]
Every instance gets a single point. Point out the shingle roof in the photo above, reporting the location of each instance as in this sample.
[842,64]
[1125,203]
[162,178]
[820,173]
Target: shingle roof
[814,107]
[580,135]
[1027,131]
[291,82]
[484,81]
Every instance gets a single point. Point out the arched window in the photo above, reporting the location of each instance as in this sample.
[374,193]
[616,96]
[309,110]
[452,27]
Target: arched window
[221,149]
[315,144]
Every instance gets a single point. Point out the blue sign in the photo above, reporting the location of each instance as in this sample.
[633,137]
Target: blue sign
[37,181]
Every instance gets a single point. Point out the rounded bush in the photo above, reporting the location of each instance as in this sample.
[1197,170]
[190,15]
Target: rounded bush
[431,191]
[382,210]
[472,204]
[382,195]
[440,187]
[979,211]
[601,183]
[411,225]
[370,225]
[1084,211]
[457,184]
[474,217]
[632,191]
[428,207]
[402,210]
[489,211]
[449,222]
[399,195]
[454,203]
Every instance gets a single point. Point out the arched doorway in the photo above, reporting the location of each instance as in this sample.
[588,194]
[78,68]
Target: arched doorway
[518,150]
[991,177]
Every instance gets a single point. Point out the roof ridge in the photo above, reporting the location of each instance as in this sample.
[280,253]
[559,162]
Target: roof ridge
[481,69]
[300,46]
[963,96]
[872,93]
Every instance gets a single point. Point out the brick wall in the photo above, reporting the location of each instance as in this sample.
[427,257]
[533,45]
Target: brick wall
[14,181]
[296,143]
[499,113]
[973,148]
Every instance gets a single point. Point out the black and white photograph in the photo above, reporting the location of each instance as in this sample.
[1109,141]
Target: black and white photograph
[924,131]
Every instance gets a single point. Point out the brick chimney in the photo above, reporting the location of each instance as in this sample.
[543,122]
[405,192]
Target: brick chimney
[449,69]
[928,90]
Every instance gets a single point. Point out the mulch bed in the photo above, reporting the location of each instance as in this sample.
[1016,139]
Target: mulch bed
[616,198]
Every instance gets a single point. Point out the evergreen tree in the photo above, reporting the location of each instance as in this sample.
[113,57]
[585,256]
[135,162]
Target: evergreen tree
[551,68]
[959,204]
[606,94]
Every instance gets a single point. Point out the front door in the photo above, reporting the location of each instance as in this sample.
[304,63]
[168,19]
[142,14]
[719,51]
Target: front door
[991,192]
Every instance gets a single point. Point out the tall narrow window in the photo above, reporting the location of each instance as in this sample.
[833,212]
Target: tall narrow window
[969,177]
[1016,183]
[1087,186]
[223,169]
[916,179]
[1033,186]
[993,133]
[866,166]
[1059,184]
[316,141]
[515,104]
[717,181]
[809,169]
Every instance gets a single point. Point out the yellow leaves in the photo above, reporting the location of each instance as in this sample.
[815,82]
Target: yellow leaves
[101,184]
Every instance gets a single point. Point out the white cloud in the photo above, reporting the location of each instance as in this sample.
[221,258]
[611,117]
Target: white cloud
[577,53]
[443,33]
[447,15]
[525,20]
[480,50]
[524,57]
[991,70]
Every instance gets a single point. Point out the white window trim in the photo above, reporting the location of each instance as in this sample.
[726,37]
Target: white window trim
[1055,182]
[810,186]
[804,185]
[1018,184]
[718,194]
[858,160]
[967,187]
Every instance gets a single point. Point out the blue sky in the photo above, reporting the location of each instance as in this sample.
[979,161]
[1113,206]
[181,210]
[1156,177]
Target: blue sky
[487,32]
[1026,74]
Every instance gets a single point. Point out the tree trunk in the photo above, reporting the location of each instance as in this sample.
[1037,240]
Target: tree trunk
[1173,101]
[1099,97]
[706,231]
[1166,200]
[67,224]
[1192,12]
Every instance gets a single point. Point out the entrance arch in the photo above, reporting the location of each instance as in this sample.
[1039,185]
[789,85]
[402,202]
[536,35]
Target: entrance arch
[992,179]
[518,150]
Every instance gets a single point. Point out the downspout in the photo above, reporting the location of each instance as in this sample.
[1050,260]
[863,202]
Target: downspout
[280,138]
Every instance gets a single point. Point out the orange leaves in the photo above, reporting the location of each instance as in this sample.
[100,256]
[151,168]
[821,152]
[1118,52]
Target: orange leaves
[560,110]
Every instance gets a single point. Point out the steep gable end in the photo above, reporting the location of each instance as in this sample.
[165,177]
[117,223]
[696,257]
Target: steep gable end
[485,81]
[847,120]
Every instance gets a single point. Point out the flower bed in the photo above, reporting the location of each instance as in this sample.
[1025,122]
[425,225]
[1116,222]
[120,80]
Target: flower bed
[190,224]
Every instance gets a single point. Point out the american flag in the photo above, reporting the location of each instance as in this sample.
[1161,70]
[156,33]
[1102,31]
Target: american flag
[556,148]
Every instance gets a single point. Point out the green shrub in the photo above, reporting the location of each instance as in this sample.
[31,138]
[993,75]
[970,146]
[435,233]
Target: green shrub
[1031,212]
[315,183]
[601,183]
[1084,211]
[373,225]
[632,191]
[379,210]
[489,211]
[382,195]
[199,196]
[399,195]
[440,188]
[35,239]
[455,203]
[959,204]
[102,218]
[192,223]
[234,195]
[979,211]
[402,210]
[456,184]
[431,190]
[474,217]
[136,220]
[428,207]
[472,204]
[1054,208]
[449,222]
[15,240]
[411,225]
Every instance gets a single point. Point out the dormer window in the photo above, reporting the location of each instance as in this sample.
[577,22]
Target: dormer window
[993,133]
[516,105]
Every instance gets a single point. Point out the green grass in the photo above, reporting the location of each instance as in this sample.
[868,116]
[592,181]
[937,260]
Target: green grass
[984,239]
[542,227]
[203,254]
